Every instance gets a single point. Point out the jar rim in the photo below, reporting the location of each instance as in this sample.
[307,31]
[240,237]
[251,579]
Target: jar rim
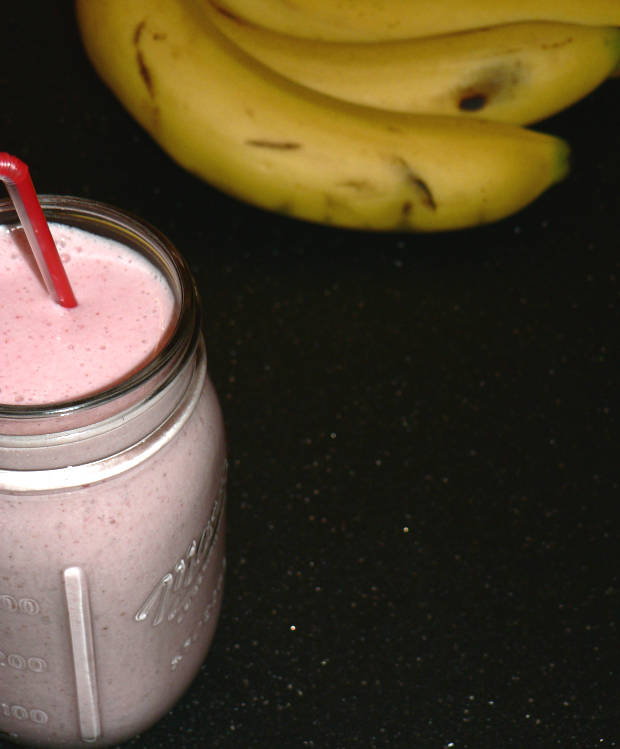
[106,220]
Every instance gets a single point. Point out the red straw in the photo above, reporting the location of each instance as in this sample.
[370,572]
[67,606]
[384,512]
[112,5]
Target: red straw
[14,173]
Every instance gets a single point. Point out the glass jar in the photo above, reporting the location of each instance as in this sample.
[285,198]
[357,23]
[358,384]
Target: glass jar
[111,529]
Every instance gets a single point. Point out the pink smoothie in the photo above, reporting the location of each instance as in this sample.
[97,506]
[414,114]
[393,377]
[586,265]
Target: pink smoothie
[51,354]
[112,532]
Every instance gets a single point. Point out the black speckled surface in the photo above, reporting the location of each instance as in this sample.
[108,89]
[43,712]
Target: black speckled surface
[423,430]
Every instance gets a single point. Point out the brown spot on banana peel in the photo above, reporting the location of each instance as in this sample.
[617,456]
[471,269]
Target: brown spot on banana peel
[488,85]
[158,36]
[281,145]
[228,13]
[472,102]
[138,32]
[421,186]
[425,191]
[360,185]
[149,104]
[145,73]
[556,45]
[143,69]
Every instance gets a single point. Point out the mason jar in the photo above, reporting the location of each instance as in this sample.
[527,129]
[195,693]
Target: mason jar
[112,513]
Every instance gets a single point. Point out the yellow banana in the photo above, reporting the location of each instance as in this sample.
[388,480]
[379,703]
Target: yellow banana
[518,73]
[379,20]
[285,148]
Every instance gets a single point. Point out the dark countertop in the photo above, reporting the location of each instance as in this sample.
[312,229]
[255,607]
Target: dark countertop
[423,432]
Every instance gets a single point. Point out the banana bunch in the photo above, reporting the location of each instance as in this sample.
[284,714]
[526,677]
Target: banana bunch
[518,73]
[369,114]
[384,20]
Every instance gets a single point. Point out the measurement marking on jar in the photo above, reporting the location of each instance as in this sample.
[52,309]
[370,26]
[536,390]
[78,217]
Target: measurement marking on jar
[81,631]
[164,601]
[20,663]
[13,605]
[204,619]
[19,712]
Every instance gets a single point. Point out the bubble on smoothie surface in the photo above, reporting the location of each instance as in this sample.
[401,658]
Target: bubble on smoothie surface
[49,353]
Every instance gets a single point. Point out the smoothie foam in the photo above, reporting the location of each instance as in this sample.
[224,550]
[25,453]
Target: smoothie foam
[52,354]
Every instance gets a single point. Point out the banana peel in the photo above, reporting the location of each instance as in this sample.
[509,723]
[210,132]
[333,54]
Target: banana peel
[273,143]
